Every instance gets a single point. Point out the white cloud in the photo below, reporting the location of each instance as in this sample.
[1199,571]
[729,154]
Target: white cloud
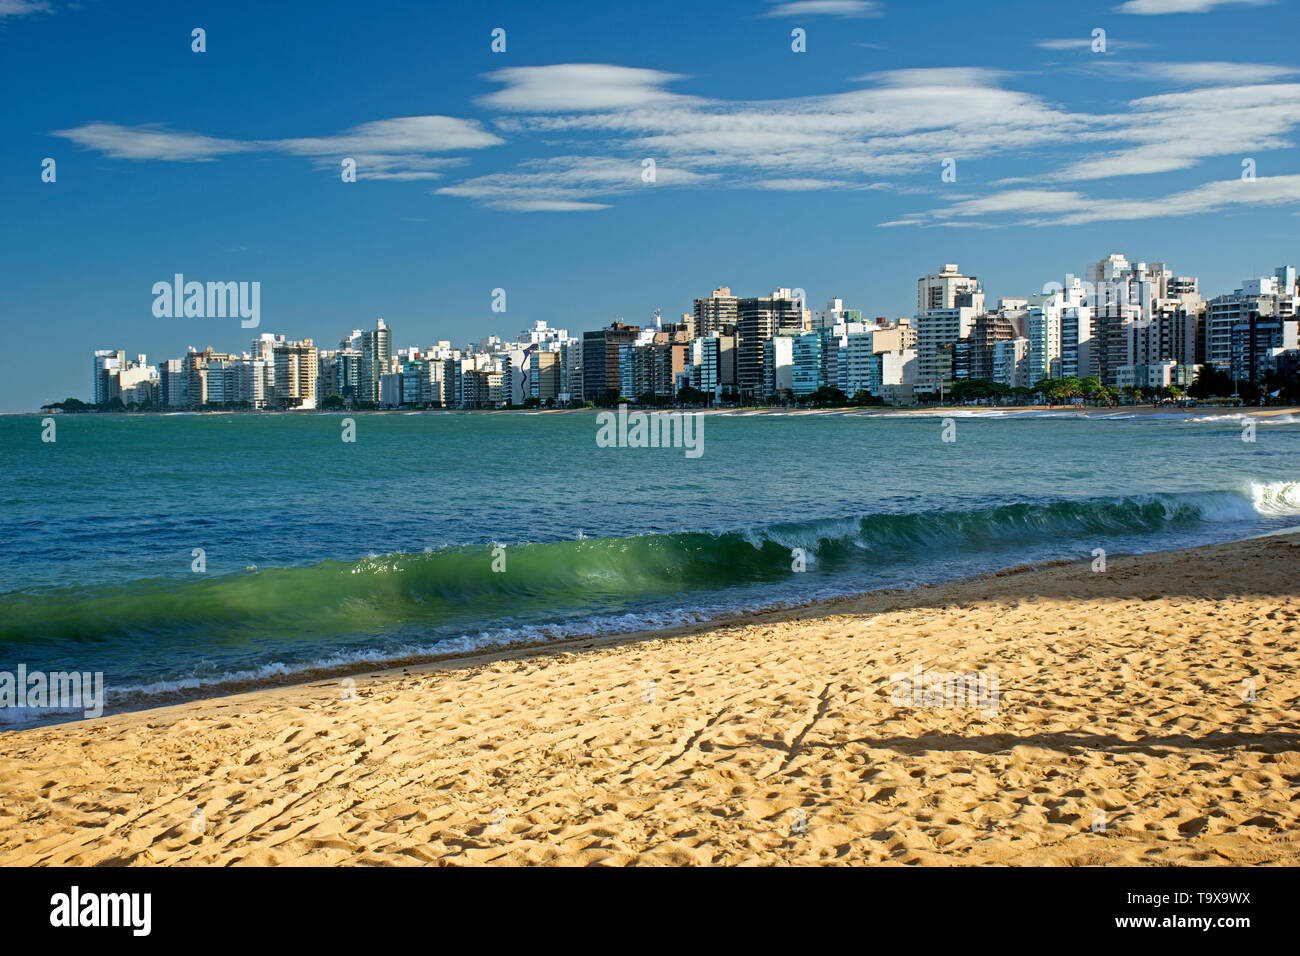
[1174,131]
[830,8]
[907,120]
[803,185]
[395,167]
[151,142]
[1047,207]
[566,183]
[568,87]
[22,8]
[1210,73]
[1085,43]
[548,205]
[1156,7]
[417,134]
[902,123]
[392,149]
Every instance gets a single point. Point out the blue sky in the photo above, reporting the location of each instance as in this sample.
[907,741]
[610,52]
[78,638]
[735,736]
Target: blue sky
[522,170]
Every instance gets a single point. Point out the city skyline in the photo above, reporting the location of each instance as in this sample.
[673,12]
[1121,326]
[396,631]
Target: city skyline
[524,169]
[1122,322]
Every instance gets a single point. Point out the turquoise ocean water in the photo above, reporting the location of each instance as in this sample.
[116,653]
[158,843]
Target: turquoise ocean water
[321,555]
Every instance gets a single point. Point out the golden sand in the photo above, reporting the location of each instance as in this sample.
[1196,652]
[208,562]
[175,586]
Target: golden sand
[1146,715]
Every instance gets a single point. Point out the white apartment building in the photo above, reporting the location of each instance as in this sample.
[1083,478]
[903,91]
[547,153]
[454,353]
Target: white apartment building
[778,365]
[1059,329]
[1011,363]
[833,316]
[947,304]
[1274,295]
[541,334]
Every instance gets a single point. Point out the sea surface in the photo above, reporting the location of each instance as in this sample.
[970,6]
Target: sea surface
[319,555]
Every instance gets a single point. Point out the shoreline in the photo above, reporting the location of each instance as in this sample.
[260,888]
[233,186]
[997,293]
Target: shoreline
[1120,695]
[776,610]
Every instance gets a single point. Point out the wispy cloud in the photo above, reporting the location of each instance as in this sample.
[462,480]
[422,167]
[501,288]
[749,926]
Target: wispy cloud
[826,8]
[1085,43]
[385,149]
[413,134]
[567,183]
[151,142]
[22,8]
[902,122]
[1156,7]
[1228,121]
[568,87]
[803,185]
[590,126]
[1211,73]
[1047,207]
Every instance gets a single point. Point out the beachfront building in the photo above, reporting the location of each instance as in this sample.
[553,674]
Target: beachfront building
[1258,345]
[704,367]
[602,362]
[1011,363]
[390,390]
[807,362]
[295,370]
[105,366]
[777,366]
[947,303]
[1059,329]
[1272,296]
[990,328]
[758,320]
[376,349]
[171,383]
[544,376]
[937,332]
[428,381]
[716,315]
[571,372]
[1141,315]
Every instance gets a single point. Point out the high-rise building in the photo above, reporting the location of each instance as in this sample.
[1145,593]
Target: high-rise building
[1011,363]
[807,362]
[940,290]
[601,381]
[1258,344]
[376,348]
[544,376]
[106,365]
[947,304]
[1260,296]
[989,329]
[777,366]
[716,314]
[171,383]
[757,321]
[571,372]
[705,367]
[1124,301]
[295,371]
[1059,329]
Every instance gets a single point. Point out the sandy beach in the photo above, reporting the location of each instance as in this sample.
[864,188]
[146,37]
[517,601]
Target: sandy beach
[1145,714]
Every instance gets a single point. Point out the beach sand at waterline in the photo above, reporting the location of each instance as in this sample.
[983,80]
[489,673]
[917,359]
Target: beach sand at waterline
[1146,714]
